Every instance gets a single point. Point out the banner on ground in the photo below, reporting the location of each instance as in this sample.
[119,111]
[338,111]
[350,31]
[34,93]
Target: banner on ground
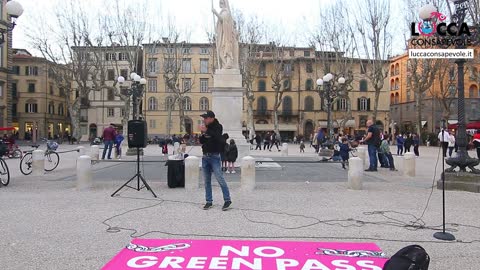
[247,255]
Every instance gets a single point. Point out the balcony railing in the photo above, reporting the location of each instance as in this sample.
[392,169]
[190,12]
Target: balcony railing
[262,113]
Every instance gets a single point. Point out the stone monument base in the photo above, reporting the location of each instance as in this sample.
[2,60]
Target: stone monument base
[227,93]
[462,181]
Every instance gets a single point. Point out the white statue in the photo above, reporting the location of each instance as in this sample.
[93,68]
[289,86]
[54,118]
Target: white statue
[226,37]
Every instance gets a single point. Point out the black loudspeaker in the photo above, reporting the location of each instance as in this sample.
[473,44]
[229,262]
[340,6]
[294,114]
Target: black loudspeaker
[137,134]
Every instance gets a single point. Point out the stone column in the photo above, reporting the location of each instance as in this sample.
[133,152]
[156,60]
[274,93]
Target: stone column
[284,149]
[84,173]
[192,173]
[355,173]
[362,154]
[227,105]
[409,164]
[94,152]
[38,162]
[247,179]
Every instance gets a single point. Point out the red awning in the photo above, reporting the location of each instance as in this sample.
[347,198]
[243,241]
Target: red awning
[6,128]
[472,125]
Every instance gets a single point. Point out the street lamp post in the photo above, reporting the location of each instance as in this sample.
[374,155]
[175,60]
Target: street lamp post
[329,92]
[14,10]
[462,159]
[136,91]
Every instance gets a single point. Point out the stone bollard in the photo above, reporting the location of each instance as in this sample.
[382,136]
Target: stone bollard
[409,164]
[362,153]
[81,151]
[355,173]
[284,149]
[84,172]
[176,146]
[247,180]
[94,152]
[192,173]
[38,162]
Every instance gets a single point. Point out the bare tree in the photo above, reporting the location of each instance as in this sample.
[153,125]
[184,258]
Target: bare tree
[447,90]
[251,33]
[373,42]
[282,65]
[337,51]
[177,70]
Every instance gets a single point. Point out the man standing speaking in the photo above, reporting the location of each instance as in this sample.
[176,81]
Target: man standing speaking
[212,145]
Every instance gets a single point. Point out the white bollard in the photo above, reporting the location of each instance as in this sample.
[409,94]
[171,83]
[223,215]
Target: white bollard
[192,173]
[81,151]
[94,152]
[409,164]
[84,172]
[362,153]
[355,173]
[247,180]
[284,149]
[176,146]
[38,162]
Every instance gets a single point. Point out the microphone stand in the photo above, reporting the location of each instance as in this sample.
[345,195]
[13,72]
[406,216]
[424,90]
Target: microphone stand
[443,235]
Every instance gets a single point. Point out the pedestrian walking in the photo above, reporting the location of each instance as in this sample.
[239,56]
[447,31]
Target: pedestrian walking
[231,155]
[274,140]
[400,143]
[213,143]
[408,143]
[302,147]
[373,141]
[258,141]
[443,138]
[476,142]
[266,141]
[118,144]
[109,135]
[416,144]
[320,138]
[451,143]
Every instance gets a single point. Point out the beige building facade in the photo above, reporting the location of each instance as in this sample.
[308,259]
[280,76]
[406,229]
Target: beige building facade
[5,97]
[302,110]
[38,105]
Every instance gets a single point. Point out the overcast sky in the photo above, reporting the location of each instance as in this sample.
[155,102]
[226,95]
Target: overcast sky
[196,16]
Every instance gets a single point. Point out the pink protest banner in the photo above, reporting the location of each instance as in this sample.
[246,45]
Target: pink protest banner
[243,255]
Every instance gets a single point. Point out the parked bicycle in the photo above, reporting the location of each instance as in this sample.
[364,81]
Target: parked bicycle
[12,150]
[4,172]
[52,159]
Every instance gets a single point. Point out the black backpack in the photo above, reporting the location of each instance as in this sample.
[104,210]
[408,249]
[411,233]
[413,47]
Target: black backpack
[412,257]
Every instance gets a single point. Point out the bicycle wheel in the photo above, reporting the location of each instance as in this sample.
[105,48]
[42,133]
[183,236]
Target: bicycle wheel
[17,153]
[26,164]
[51,161]
[4,173]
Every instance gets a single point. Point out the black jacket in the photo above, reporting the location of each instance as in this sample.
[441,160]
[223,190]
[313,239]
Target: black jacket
[212,140]
[231,153]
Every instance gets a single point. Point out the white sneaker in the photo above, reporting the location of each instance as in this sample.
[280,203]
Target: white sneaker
[227,172]
[233,171]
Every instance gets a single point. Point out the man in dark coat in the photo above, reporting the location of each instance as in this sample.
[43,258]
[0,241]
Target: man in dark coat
[212,145]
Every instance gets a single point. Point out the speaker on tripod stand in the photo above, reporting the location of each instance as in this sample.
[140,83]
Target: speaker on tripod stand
[137,138]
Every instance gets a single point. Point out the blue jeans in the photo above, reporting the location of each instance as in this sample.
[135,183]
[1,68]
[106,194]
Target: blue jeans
[108,145]
[391,163]
[372,154]
[212,164]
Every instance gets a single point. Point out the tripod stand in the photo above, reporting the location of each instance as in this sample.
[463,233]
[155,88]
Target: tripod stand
[139,178]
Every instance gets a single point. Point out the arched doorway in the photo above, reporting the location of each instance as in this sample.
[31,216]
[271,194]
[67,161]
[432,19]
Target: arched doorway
[188,125]
[92,131]
[308,129]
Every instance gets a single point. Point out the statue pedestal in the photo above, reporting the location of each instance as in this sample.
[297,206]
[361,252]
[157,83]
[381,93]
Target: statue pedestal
[227,104]
[462,181]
